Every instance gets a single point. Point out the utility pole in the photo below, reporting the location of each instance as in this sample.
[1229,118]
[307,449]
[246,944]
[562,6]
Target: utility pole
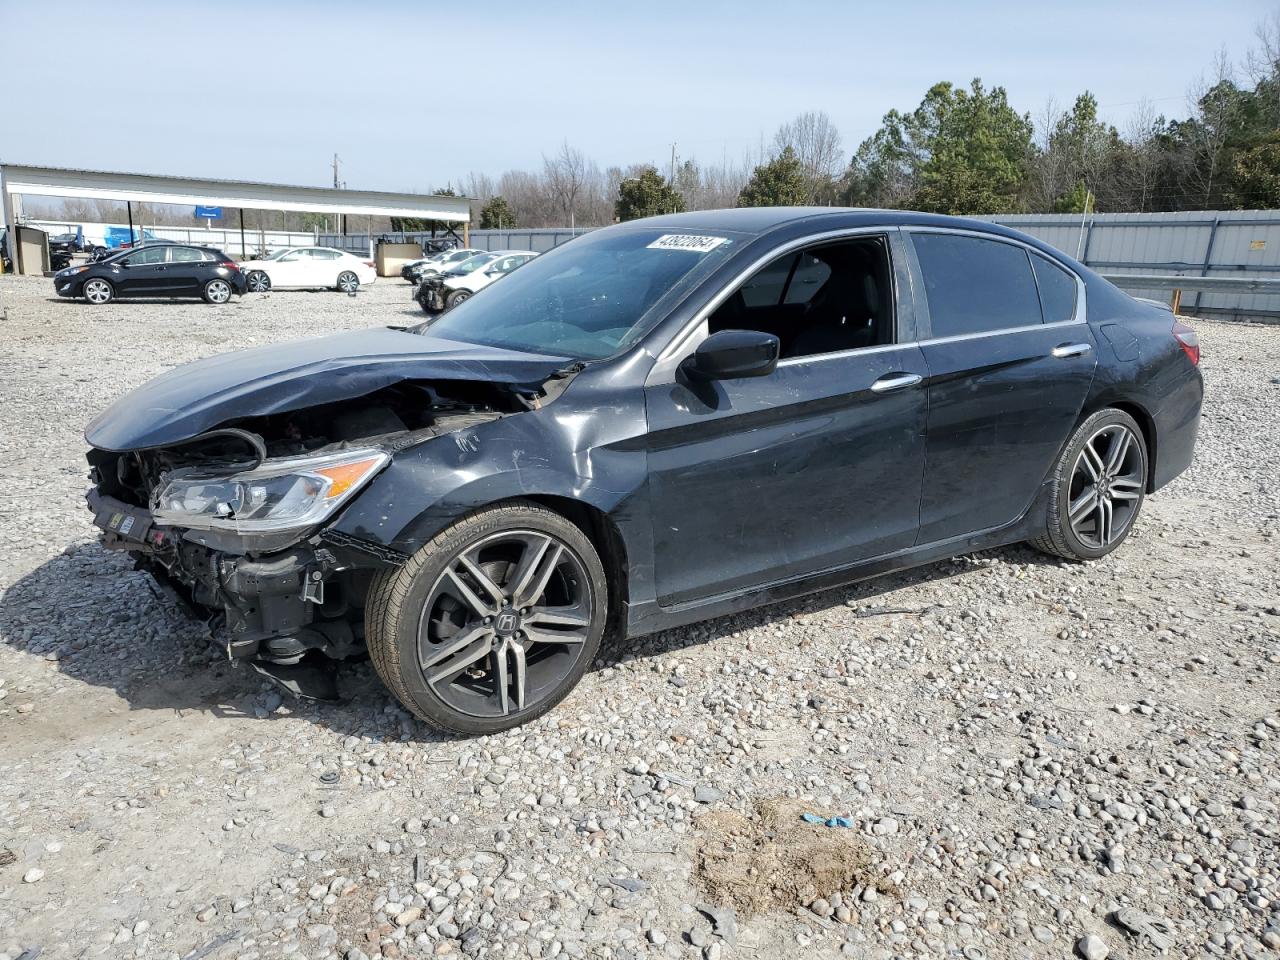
[337,185]
[672,179]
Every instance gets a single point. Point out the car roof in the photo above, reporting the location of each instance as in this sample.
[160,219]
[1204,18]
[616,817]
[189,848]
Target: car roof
[762,220]
[512,253]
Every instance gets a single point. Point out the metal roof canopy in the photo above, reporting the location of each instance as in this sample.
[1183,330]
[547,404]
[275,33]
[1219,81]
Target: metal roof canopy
[146,188]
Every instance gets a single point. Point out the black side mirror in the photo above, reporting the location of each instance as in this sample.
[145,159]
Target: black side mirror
[733,355]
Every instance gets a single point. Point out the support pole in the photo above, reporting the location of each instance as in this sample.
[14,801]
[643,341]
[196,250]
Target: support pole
[128,206]
[243,253]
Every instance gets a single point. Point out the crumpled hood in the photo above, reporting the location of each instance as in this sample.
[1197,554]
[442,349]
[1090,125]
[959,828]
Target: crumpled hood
[199,396]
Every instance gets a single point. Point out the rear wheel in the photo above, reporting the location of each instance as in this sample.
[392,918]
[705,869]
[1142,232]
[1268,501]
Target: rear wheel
[492,623]
[217,291]
[348,282]
[258,281]
[98,291]
[1098,487]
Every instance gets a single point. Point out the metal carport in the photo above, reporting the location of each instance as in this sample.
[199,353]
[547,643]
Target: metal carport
[18,180]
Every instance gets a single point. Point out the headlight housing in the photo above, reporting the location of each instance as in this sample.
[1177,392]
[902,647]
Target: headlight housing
[283,494]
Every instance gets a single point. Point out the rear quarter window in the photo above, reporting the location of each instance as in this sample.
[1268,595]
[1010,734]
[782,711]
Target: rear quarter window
[975,285]
[1057,290]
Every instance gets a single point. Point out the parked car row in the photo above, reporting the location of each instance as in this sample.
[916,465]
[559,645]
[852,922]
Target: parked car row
[168,269]
[448,287]
[415,270]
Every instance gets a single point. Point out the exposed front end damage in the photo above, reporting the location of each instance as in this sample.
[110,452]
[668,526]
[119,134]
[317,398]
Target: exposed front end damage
[279,592]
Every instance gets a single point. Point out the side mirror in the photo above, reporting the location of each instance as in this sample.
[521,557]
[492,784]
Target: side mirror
[734,355]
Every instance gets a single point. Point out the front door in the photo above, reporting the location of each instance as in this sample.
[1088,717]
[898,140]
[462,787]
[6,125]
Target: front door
[143,273]
[817,465]
[1010,363]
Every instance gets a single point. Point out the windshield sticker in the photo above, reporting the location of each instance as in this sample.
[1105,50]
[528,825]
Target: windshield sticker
[690,242]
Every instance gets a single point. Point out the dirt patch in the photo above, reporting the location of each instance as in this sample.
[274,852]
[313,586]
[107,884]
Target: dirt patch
[774,860]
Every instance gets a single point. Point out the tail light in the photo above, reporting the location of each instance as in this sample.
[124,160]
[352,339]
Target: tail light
[1188,340]
[370,263]
[230,265]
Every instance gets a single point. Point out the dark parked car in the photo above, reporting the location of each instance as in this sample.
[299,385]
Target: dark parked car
[68,243]
[154,270]
[656,423]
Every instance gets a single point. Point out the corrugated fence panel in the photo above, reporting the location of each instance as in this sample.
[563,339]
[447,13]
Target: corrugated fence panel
[1228,243]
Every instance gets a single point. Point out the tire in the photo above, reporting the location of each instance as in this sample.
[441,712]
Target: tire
[559,626]
[258,281]
[217,291]
[456,298]
[97,291]
[348,282]
[1080,525]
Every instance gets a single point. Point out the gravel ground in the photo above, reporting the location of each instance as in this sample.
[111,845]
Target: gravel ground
[1027,749]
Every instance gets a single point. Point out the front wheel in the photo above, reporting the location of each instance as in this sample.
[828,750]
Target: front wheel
[492,623]
[258,281]
[348,282]
[1097,488]
[456,298]
[98,291]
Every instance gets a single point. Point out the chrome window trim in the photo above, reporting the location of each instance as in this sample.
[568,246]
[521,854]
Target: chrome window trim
[696,329]
[995,333]
[852,351]
[1081,308]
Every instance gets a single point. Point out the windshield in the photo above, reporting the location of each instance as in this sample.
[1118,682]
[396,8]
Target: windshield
[587,299]
[474,264]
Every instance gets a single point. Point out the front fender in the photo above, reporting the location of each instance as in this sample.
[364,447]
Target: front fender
[594,456]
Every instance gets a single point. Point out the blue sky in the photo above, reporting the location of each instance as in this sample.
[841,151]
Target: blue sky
[270,90]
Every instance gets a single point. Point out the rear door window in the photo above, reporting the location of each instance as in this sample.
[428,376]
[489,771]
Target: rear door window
[1057,290]
[975,285]
[186,255]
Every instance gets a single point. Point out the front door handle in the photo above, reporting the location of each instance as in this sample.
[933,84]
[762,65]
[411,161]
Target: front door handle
[895,381]
[1064,350]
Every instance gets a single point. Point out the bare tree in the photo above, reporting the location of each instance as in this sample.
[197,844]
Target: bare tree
[1262,62]
[1210,103]
[817,144]
[1143,169]
[566,173]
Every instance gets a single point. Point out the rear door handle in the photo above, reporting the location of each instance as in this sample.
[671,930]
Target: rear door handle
[1064,350]
[895,381]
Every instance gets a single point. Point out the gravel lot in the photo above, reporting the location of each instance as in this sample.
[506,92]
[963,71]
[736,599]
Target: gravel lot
[1025,747]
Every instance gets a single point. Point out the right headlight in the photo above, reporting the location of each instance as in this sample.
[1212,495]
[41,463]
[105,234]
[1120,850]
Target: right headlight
[283,494]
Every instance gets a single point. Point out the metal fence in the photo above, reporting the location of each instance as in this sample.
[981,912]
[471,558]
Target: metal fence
[1201,243]
[1193,244]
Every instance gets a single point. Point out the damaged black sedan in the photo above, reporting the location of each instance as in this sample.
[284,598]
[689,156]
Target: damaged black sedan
[657,423]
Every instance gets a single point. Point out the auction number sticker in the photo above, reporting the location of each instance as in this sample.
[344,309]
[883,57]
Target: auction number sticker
[690,242]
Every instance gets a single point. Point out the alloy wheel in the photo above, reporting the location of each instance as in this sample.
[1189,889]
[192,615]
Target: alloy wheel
[219,291]
[1106,486]
[97,291]
[258,282]
[347,282]
[505,623]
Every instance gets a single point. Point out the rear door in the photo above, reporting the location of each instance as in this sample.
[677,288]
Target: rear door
[1010,363]
[188,270]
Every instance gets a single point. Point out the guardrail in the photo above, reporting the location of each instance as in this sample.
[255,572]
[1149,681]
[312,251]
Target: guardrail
[1261,286]
[1207,284]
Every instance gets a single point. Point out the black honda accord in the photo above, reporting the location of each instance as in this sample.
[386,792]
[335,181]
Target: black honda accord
[656,423]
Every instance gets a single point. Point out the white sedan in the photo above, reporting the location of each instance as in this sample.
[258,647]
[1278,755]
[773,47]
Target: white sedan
[309,267]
